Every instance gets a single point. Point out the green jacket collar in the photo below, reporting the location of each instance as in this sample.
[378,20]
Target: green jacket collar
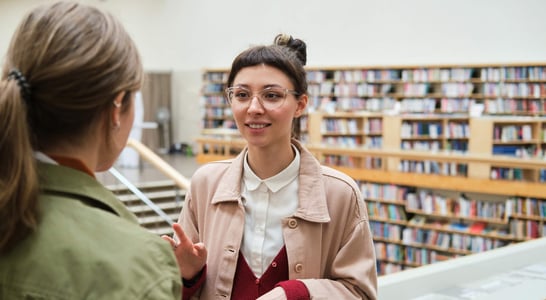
[61,180]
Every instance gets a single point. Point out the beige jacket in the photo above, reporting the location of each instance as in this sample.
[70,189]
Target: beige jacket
[328,239]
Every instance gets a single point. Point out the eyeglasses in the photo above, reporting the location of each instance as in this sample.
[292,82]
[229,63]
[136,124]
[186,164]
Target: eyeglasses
[269,98]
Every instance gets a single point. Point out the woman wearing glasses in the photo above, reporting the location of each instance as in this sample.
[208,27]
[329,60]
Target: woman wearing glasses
[276,224]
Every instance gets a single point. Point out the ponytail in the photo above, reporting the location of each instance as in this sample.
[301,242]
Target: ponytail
[18,172]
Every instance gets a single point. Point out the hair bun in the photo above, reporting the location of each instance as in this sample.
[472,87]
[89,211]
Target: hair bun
[296,45]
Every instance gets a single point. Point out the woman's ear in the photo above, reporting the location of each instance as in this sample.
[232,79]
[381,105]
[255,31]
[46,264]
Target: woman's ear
[116,111]
[302,105]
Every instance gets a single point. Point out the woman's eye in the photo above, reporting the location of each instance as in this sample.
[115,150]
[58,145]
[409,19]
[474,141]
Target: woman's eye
[271,96]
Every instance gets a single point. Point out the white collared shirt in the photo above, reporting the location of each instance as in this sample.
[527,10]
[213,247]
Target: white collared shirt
[40,156]
[266,203]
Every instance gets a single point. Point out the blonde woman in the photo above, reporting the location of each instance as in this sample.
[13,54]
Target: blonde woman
[66,109]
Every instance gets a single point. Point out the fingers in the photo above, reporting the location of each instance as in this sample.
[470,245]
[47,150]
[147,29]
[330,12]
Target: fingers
[181,235]
[170,240]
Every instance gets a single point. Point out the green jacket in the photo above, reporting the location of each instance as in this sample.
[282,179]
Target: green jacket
[87,246]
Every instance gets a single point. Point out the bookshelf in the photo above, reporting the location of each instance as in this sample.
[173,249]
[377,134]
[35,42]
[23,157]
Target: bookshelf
[216,111]
[347,130]
[419,218]
[450,158]
[497,89]
[521,137]
[500,89]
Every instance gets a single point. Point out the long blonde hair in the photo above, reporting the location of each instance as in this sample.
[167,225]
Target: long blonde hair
[72,61]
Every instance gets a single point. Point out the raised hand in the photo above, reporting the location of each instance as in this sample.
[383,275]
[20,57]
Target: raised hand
[191,257]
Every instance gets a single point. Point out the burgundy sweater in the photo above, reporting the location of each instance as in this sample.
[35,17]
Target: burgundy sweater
[247,286]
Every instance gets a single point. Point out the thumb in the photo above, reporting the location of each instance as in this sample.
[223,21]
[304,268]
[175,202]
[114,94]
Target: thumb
[200,249]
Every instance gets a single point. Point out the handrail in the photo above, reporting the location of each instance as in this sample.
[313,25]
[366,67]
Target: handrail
[140,195]
[497,160]
[159,163]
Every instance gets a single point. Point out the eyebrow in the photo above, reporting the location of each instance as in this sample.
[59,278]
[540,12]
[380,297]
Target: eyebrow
[246,86]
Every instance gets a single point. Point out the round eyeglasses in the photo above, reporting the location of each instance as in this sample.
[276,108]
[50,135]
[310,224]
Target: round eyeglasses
[270,97]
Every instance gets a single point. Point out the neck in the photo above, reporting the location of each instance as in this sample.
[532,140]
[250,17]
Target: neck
[268,162]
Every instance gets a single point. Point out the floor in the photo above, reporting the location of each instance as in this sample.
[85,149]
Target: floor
[146,172]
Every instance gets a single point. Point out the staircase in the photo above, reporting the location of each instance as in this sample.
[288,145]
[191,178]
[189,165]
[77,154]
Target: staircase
[165,194]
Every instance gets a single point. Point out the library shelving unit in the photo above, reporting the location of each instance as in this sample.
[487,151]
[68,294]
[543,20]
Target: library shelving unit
[347,130]
[450,158]
[216,111]
[513,136]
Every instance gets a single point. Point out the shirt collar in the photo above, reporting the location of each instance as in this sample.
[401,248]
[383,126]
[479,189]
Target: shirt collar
[66,161]
[276,182]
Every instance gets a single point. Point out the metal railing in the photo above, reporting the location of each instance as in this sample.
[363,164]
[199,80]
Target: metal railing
[140,195]
[148,155]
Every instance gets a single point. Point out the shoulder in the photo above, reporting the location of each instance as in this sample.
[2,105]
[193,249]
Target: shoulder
[80,242]
[339,178]
[212,168]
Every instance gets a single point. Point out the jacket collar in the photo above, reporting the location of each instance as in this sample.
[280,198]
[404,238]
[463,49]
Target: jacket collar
[61,180]
[312,195]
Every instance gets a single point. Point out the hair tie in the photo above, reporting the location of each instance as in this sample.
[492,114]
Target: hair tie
[22,82]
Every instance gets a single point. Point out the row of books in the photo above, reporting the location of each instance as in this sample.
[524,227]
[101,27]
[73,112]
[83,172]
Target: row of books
[527,228]
[525,151]
[426,105]
[373,142]
[342,141]
[330,88]
[432,203]
[392,252]
[433,167]
[420,129]
[373,126]
[340,160]
[212,87]
[386,230]
[450,241]
[417,105]
[388,268]
[429,74]
[513,73]
[534,90]
[459,129]
[423,256]
[329,104]
[386,211]
[457,146]
[215,76]
[341,126]
[421,145]
[472,227]
[214,100]
[386,192]
[511,133]
[211,112]
[501,173]
[510,106]
[526,206]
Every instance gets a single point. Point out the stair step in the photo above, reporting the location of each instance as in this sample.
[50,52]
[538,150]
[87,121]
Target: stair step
[165,206]
[129,199]
[144,186]
[155,219]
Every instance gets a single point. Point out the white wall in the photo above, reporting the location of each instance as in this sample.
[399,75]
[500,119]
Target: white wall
[186,36]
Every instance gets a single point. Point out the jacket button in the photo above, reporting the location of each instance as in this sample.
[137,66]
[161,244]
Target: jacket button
[298,268]
[292,223]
